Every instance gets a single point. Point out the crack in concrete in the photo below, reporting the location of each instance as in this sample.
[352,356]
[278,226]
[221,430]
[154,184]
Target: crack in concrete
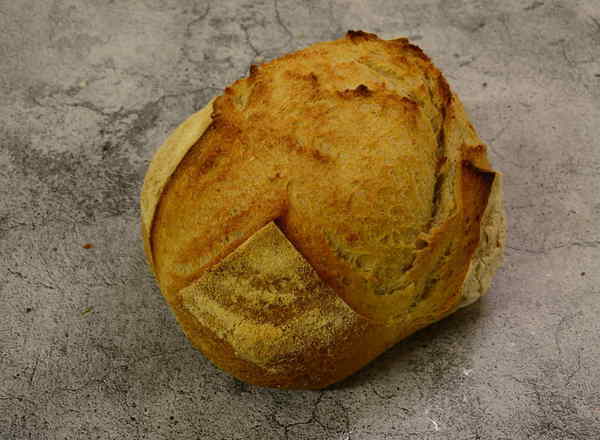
[34,370]
[146,115]
[188,34]
[280,22]
[584,244]
[381,396]
[200,16]
[19,399]
[315,419]
[344,416]
[558,329]
[70,390]
[564,321]
[310,420]
[597,23]
[249,43]
[5,227]
[159,355]
[536,4]
[570,63]
[35,283]
[116,369]
[576,369]
[554,409]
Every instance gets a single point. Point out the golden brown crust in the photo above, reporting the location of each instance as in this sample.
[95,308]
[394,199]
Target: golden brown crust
[164,163]
[365,159]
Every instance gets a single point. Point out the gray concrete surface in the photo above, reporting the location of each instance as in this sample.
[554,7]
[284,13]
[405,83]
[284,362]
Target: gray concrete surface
[88,347]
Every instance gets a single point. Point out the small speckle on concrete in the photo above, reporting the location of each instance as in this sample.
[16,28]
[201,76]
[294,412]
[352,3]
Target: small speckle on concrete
[88,90]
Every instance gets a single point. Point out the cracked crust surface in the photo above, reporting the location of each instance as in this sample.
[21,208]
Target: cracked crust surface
[350,162]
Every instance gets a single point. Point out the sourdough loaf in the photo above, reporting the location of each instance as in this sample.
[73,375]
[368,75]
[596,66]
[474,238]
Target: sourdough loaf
[323,208]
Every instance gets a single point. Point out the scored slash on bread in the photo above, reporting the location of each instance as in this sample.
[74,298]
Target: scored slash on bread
[358,165]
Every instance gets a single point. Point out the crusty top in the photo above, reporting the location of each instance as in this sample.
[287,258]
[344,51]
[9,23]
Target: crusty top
[363,157]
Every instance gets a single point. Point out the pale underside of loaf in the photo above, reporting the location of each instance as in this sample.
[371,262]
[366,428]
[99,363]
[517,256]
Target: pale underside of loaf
[228,270]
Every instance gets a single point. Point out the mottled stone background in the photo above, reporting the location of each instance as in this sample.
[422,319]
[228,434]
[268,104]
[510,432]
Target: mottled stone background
[88,347]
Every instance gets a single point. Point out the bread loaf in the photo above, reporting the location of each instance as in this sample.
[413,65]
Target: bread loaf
[322,209]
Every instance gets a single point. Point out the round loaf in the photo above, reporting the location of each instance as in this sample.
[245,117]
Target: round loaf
[322,209]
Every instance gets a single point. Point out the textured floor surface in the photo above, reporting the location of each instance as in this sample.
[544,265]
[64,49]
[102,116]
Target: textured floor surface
[88,347]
